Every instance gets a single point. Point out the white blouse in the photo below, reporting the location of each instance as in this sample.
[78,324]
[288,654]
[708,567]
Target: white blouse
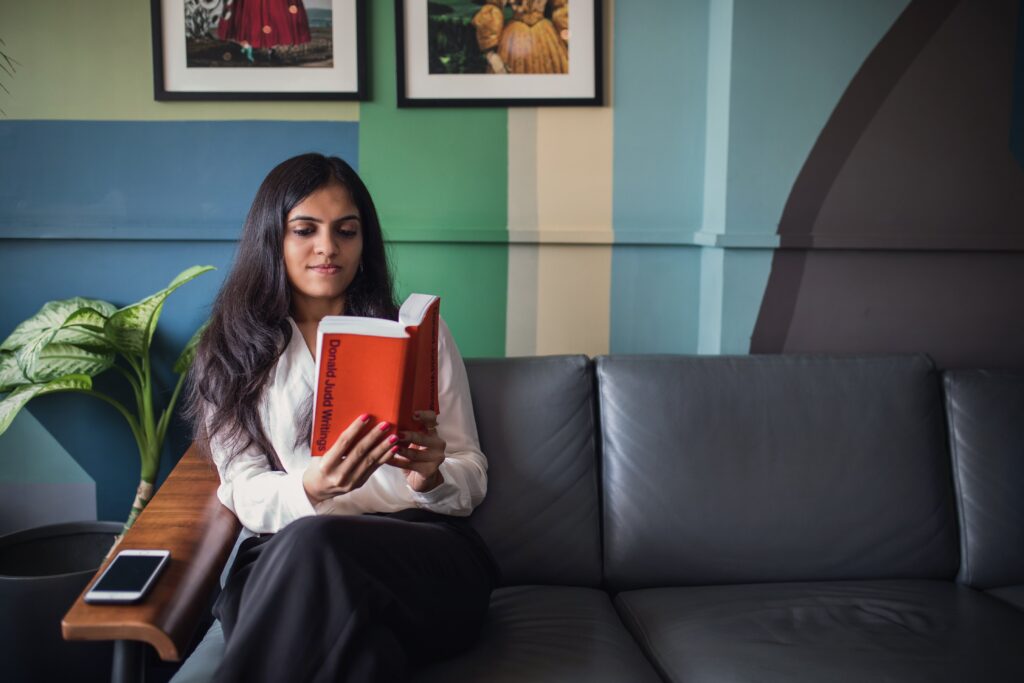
[265,500]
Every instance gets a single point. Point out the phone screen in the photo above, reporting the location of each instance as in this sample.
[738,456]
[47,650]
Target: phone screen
[128,573]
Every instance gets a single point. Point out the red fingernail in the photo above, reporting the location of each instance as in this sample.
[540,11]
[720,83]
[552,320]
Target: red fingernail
[365,417]
[393,450]
[385,426]
[392,439]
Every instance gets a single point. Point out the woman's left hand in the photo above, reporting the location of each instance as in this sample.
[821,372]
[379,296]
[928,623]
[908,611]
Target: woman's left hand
[421,454]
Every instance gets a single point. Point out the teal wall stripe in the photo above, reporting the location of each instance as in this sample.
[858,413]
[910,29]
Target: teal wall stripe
[660,75]
[716,153]
[655,299]
[141,179]
[744,279]
[709,309]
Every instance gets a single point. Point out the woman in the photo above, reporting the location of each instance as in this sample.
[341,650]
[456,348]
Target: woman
[362,565]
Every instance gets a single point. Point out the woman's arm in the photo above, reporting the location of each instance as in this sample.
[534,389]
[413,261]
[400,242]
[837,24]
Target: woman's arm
[464,469]
[264,500]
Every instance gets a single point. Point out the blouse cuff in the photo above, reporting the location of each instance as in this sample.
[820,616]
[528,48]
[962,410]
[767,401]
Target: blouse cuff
[294,496]
[444,490]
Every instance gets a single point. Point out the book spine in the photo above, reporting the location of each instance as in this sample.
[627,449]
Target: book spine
[435,319]
[407,395]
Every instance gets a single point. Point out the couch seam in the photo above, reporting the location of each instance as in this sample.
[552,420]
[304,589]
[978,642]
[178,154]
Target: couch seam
[597,439]
[954,453]
[653,656]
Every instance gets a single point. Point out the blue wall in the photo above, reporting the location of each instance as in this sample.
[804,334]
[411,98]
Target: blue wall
[114,210]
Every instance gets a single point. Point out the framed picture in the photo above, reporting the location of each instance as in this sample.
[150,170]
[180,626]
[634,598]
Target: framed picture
[483,53]
[258,50]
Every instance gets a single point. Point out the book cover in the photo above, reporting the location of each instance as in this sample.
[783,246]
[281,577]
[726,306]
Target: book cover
[385,368]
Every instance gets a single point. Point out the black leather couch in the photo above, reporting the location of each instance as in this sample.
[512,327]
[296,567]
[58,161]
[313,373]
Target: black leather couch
[758,518]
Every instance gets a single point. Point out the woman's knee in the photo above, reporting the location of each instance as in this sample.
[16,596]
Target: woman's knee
[308,529]
[316,549]
[309,537]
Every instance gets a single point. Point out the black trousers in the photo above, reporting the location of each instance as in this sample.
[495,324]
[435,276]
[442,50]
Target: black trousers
[353,598]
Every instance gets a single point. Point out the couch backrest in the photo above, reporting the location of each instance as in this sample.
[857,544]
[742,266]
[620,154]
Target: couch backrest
[773,468]
[536,422]
[986,434]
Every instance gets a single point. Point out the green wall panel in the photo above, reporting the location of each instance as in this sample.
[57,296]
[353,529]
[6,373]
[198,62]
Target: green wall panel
[439,178]
[471,281]
[431,171]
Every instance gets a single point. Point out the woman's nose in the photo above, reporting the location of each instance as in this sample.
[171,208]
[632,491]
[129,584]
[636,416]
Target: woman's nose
[326,245]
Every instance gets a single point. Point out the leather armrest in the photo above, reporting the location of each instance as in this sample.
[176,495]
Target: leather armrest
[186,518]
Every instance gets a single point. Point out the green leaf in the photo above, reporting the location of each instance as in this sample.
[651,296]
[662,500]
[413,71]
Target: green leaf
[83,336]
[90,317]
[188,354]
[56,322]
[11,375]
[131,328]
[17,399]
[51,318]
[84,328]
[57,360]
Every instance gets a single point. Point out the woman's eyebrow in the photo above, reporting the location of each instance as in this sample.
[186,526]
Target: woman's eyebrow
[312,219]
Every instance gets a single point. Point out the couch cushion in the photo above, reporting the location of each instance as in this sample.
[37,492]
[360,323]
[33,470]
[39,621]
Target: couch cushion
[986,432]
[536,422]
[828,631]
[532,633]
[774,468]
[1013,595]
[547,633]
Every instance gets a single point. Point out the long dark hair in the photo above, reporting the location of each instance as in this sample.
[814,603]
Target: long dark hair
[248,327]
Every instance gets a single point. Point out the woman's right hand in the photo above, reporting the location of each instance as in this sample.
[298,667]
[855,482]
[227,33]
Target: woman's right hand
[353,458]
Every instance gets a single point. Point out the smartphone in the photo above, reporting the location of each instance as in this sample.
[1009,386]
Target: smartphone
[128,577]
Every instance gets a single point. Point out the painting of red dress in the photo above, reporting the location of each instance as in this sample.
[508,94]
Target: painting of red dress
[498,36]
[261,33]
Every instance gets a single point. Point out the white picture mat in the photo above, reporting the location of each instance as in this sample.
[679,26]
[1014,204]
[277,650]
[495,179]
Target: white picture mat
[578,83]
[342,77]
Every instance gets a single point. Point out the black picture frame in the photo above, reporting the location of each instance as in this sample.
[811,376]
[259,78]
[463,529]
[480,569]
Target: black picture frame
[164,89]
[594,95]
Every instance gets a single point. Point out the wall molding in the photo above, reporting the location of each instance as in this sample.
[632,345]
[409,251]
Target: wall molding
[221,233]
[597,236]
[697,238]
[669,237]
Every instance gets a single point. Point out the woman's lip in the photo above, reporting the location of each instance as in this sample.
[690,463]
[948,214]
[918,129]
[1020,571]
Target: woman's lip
[326,269]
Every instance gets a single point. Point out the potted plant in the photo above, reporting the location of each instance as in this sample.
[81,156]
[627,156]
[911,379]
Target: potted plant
[61,348]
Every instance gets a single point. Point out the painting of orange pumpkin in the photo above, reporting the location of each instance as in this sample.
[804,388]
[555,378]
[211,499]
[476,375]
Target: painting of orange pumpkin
[499,36]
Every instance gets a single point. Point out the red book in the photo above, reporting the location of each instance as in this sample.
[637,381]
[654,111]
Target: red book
[368,365]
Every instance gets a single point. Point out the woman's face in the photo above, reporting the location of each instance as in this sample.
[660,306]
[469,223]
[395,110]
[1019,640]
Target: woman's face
[323,245]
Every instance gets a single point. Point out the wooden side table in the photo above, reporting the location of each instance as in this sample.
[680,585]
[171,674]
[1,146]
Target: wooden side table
[186,518]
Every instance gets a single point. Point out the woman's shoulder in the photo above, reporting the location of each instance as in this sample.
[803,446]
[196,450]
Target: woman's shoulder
[292,373]
[446,344]
[295,355]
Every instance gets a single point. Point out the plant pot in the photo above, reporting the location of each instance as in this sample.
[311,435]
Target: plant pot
[42,572]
